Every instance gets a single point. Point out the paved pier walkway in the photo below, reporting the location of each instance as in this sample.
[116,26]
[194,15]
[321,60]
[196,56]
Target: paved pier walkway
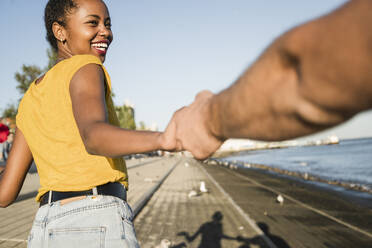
[169,215]
[309,216]
[179,214]
[204,220]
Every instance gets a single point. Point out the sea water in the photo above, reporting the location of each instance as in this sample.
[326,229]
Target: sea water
[348,162]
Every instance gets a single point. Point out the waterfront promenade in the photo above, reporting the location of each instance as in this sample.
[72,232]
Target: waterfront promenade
[238,210]
[171,215]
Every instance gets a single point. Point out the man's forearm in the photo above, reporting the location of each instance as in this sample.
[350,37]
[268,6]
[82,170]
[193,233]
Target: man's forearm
[260,105]
[303,82]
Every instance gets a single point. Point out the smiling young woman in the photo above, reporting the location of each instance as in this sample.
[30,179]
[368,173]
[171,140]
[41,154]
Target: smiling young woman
[88,30]
[67,124]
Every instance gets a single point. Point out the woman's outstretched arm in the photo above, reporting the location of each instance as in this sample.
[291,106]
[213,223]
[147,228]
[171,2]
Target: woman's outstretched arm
[17,165]
[99,137]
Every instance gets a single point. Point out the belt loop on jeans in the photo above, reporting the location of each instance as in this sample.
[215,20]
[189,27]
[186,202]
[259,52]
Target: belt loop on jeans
[95,191]
[50,197]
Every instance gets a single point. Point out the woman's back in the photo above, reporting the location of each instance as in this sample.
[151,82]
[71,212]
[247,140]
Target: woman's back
[46,118]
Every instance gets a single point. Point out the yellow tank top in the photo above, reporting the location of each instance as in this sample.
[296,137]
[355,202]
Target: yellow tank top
[46,120]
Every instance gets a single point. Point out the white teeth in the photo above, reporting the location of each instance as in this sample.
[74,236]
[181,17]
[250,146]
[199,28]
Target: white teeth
[100,45]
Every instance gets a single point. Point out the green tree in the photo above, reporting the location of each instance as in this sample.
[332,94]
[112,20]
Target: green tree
[30,72]
[10,111]
[52,58]
[24,78]
[142,126]
[125,115]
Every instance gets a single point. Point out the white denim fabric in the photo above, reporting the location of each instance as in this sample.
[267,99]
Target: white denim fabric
[96,222]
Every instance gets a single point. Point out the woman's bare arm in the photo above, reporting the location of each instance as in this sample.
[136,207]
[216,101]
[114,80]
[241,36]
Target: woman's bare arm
[17,165]
[99,137]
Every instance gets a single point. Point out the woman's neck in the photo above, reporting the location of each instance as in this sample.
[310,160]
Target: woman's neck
[62,55]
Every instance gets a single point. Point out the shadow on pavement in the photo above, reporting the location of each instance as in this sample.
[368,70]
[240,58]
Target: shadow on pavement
[257,240]
[278,241]
[32,169]
[212,233]
[26,196]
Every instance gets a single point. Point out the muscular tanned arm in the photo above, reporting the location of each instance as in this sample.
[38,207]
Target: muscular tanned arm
[313,77]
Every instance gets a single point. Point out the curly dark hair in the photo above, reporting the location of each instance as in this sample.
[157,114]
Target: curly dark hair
[56,11]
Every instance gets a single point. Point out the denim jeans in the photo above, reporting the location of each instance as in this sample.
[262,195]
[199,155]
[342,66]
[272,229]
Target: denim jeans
[95,222]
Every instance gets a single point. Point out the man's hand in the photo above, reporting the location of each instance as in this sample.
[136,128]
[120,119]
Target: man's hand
[168,141]
[193,127]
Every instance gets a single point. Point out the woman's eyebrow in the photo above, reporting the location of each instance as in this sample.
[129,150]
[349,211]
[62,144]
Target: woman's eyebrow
[98,17]
[95,16]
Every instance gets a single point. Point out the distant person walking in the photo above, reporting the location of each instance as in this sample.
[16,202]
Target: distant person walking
[4,132]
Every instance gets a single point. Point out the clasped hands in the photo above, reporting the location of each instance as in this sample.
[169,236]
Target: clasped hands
[190,128]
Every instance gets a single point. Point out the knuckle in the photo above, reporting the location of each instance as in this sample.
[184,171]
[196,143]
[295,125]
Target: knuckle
[203,94]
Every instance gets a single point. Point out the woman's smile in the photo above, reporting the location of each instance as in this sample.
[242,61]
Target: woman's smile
[101,46]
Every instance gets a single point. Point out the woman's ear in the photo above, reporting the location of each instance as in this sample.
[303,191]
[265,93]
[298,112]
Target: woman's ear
[59,32]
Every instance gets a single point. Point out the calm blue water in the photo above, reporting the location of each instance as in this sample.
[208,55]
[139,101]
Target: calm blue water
[350,161]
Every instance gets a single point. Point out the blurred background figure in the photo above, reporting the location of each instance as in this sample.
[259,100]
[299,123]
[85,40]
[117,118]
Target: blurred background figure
[4,133]
[7,145]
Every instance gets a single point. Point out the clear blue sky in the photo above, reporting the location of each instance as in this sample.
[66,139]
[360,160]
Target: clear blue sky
[165,51]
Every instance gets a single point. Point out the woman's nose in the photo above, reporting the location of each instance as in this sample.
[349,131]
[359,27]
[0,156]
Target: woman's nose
[104,31]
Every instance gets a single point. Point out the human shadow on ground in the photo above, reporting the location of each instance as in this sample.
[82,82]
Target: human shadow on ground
[32,169]
[26,196]
[180,245]
[211,233]
[258,240]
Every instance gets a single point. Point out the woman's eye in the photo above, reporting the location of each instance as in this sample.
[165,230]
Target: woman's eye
[108,25]
[93,23]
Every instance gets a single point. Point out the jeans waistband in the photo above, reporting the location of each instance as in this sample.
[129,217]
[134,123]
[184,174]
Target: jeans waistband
[114,189]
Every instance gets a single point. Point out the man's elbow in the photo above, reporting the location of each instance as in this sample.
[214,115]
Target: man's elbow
[316,116]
